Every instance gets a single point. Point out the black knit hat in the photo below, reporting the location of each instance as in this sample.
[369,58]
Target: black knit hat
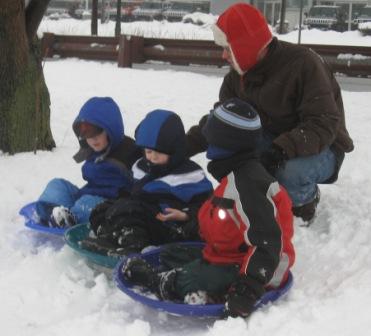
[234,125]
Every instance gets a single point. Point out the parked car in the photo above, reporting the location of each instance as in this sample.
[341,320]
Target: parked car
[179,9]
[58,9]
[326,18]
[150,11]
[127,9]
[364,15]
[84,11]
[363,21]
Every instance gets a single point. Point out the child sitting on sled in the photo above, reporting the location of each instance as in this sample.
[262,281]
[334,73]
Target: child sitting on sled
[108,156]
[247,225]
[165,198]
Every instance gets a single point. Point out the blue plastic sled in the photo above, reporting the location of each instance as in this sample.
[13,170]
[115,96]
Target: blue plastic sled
[209,310]
[75,234]
[29,213]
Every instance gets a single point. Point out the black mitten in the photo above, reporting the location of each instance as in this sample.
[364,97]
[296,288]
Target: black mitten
[242,296]
[273,158]
[98,215]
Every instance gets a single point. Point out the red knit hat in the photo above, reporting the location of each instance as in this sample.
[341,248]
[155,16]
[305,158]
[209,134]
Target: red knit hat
[244,29]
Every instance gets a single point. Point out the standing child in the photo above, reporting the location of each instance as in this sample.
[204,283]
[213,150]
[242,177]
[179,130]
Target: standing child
[167,193]
[247,224]
[108,156]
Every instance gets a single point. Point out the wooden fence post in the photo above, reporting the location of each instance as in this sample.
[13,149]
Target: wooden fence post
[47,45]
[137,46]
[124,59]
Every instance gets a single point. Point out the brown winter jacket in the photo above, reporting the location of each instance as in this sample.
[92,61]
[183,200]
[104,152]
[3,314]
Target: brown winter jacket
[297,98]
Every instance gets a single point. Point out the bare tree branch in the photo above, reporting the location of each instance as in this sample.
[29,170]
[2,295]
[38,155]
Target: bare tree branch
[34,14]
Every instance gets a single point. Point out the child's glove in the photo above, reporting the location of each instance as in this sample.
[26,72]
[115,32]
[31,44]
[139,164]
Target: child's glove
[242,296]
[273,158]
[97,217]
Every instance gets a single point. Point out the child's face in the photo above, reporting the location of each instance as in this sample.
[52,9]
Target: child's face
[98,142]
[155,157]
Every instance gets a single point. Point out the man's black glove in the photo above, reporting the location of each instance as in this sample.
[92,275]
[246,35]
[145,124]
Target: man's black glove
[242,296]
[273,158]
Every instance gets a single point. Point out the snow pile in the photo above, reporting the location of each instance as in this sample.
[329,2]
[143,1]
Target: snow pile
[156,29]
[353,56]
[200,18]
[364,26]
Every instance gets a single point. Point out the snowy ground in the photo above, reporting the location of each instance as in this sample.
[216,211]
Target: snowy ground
[47,289]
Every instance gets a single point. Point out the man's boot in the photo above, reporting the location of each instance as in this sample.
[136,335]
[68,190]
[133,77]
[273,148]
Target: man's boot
[307,211]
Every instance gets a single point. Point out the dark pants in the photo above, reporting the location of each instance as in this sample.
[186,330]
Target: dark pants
[193,273]
[301,175]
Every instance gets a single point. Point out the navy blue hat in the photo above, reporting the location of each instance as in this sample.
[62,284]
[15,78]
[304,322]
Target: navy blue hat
[233,126]
[162,131]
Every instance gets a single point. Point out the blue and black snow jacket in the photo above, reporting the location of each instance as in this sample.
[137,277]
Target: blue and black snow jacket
[107,173]
[181,183]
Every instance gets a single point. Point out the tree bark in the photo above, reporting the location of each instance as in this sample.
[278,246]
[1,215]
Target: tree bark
[34,14]
[24,97]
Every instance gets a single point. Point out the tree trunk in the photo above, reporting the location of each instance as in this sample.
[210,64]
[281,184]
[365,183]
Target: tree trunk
[24,97]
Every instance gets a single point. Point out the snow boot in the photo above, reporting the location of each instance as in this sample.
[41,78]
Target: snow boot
[62,217]
[140,273]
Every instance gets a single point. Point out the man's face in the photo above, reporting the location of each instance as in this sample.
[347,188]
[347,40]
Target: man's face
[98,142]
[227,55]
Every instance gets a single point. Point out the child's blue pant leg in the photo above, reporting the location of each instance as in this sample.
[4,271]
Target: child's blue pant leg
[83,207]
[57,192]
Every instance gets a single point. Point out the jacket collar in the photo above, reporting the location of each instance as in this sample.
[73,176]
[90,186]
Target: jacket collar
[260,72]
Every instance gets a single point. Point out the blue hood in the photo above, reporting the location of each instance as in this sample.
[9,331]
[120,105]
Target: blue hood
[105,113]
[163,131]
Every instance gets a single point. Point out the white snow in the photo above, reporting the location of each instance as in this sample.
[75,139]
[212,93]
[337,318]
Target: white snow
[46,289]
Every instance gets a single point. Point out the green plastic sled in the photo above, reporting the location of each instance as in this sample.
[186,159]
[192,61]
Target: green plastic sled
[77,233]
